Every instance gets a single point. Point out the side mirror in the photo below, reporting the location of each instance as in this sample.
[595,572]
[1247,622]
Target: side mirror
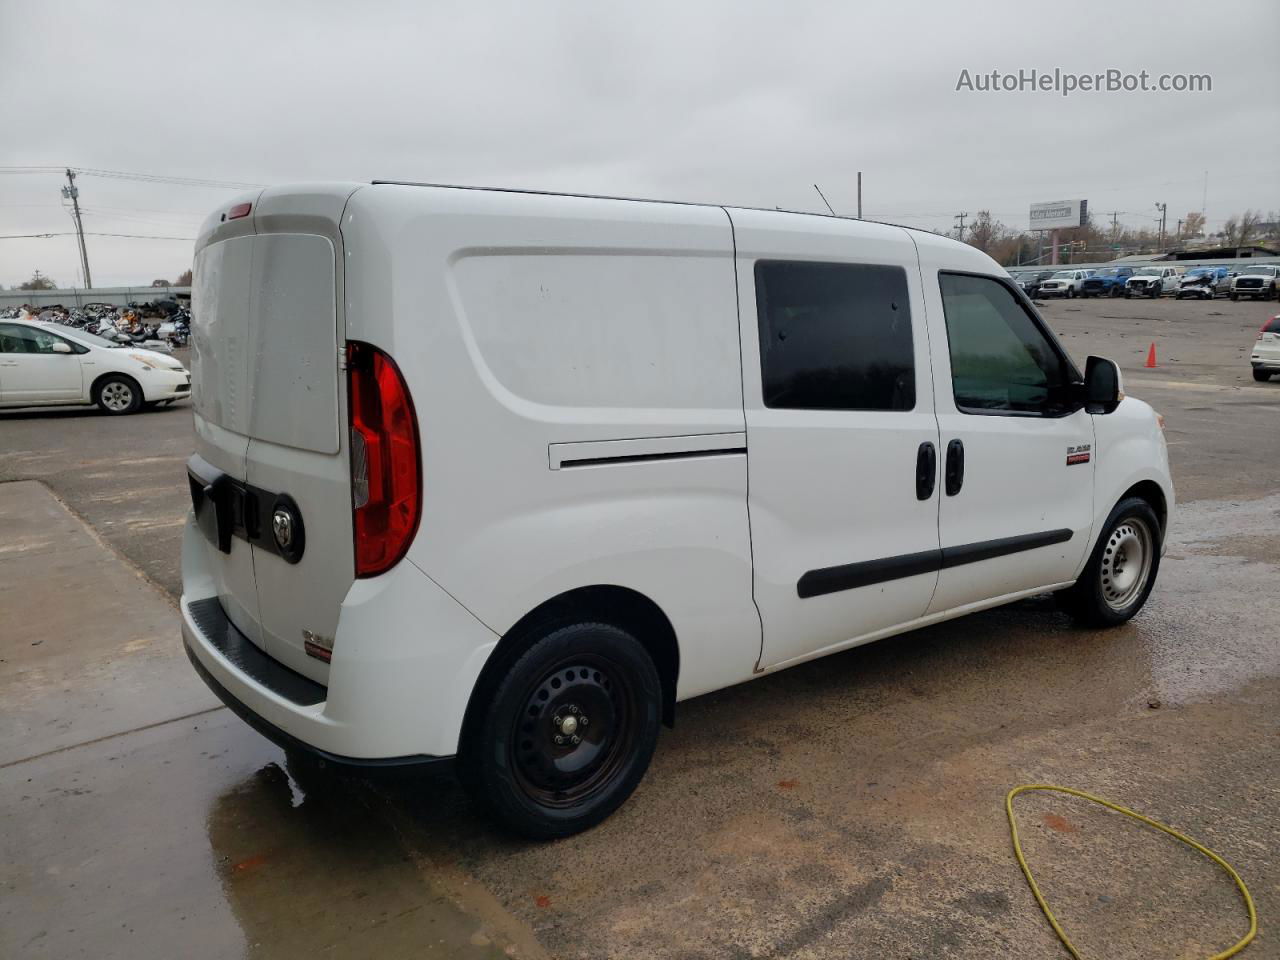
[60,348]
[1103,389]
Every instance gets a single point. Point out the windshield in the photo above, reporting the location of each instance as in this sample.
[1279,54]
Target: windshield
[1200,272]
[1266,269]
[1064,275]
[1108,272]
[1147,272]
[81,336]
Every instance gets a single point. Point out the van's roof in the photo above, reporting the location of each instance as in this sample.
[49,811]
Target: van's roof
[685,203]
[327,200]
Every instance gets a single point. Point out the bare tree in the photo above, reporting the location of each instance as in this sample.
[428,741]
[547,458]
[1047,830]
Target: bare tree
[1193,225]
[984,232]
[1238,231]
[38,282]
[184,279]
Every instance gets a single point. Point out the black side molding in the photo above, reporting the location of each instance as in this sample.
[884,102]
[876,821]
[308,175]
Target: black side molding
[850,576]
[989,549]
[647,457]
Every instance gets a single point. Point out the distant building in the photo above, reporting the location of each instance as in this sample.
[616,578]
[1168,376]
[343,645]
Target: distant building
[1222,253]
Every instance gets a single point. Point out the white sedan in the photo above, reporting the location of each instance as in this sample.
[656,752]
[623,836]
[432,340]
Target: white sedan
[47,364]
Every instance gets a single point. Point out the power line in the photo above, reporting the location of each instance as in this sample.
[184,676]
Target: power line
[139,177]
[88,233]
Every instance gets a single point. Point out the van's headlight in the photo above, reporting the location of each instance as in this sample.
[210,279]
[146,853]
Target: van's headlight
[145,361]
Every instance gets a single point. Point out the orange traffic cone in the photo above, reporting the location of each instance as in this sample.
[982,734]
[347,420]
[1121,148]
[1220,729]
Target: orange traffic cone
[1151,355]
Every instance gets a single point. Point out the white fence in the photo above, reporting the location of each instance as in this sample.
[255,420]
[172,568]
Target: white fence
[78,297]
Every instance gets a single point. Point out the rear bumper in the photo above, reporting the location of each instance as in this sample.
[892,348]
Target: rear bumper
[406,657]
[287,741]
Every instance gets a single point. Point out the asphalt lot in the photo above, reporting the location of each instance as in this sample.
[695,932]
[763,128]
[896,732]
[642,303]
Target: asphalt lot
[850,807]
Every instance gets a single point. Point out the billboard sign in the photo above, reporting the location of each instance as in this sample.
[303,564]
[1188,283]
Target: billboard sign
[1059,215]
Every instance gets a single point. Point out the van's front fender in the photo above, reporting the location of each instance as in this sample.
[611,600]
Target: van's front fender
[1129,449]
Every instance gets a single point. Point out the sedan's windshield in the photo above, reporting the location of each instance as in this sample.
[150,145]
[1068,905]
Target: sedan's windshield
[80,335]
[1200,272]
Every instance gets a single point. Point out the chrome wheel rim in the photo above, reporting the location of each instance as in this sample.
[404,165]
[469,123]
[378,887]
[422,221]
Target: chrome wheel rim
[1126,563]
[117,396]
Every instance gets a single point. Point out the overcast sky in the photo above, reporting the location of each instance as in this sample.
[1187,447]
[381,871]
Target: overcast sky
[733,102]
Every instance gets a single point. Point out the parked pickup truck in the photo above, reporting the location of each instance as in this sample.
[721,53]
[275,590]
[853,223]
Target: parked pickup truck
[1106,282]
[1152,282]
[1257,282]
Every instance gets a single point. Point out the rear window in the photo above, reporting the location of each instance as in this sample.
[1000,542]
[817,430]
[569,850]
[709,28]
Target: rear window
[835,336]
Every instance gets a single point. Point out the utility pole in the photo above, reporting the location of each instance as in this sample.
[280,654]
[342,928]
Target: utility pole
[859,194]
[72,193]
[1163,208]
[824,198]
[960,229]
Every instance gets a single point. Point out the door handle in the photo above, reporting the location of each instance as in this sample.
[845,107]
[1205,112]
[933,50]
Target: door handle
[955,467]
[926,470]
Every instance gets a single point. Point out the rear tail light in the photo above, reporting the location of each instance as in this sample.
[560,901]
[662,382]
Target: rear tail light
[386,471]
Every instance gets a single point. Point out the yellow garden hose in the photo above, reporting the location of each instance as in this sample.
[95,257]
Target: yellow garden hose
[1053,921]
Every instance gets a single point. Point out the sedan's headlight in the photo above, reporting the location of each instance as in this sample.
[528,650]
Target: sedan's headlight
[147,362]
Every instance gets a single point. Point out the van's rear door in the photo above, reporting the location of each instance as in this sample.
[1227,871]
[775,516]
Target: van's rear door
[219,391]
[289,413]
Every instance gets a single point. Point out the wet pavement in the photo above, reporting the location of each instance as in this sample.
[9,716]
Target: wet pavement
[849,807]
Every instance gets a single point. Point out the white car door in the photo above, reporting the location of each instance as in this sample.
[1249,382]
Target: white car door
[839,414]
[32,371]
[1016,510]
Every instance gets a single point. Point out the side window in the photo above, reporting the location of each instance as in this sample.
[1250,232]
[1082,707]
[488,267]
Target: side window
[18,338]
[834,336]
[1000,360]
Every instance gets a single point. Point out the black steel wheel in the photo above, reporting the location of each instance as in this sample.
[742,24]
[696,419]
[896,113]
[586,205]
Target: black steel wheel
[565,736]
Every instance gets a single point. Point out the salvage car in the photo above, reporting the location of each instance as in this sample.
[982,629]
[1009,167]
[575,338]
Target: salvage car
[47,364]
[1266,351]
[1152,282]
[1204,283]
[526,470]
[1106,282]
[1064,283]
[1255,282]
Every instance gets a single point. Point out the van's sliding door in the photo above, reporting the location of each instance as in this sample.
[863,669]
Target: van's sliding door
[842,439]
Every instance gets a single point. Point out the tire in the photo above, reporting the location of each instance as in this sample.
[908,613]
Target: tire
[117,394]
[1071,293]
[509,761]
[1261,375]
[1121,570]
[1234,296]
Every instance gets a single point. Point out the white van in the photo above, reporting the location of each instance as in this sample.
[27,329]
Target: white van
[503,476]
